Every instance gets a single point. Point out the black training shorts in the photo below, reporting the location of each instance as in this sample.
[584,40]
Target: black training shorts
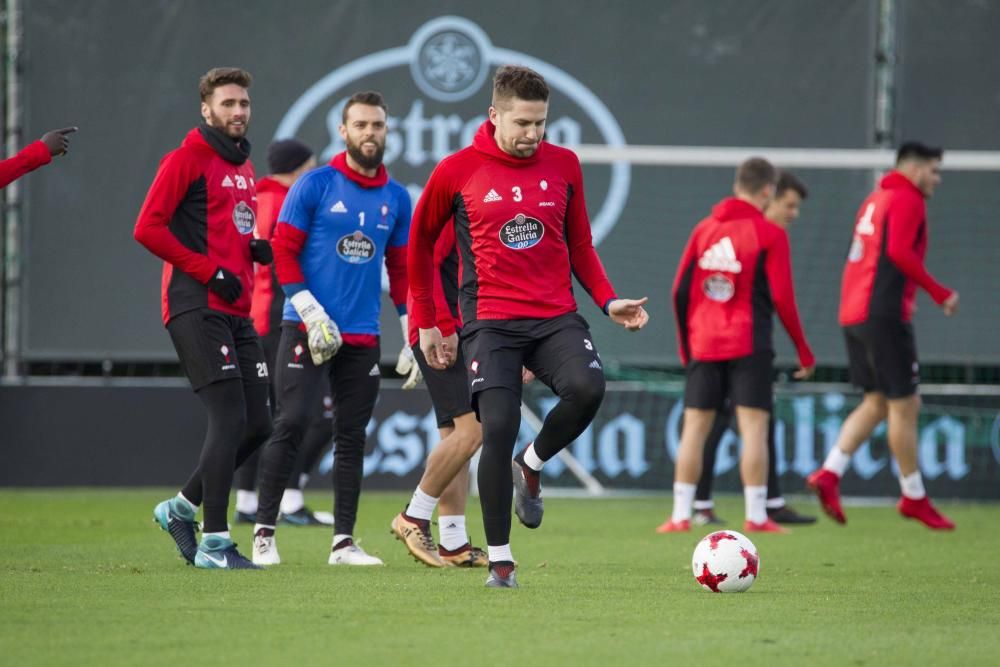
[449,388]
[882,356]
[214,346]
[746,381]
[496,350]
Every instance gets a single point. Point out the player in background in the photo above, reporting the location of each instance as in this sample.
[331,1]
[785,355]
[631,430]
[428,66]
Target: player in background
[735,272]
[445,482]
[337,226]
[34,155]
[199,217]
[783,210]
[885,265]
[287,159]
[521,226]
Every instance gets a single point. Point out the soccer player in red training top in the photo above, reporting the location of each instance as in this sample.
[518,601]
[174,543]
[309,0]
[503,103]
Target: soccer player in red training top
[783,210]
[199,217]
[885,265]
[35,155]
[522,231]
[735,272]
[287,160]
[446,477]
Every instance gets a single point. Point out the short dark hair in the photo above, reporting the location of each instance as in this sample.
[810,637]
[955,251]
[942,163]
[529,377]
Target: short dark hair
[520,82]
[914,150]
[222,76]
[755,174]
[369,98]
[788,181]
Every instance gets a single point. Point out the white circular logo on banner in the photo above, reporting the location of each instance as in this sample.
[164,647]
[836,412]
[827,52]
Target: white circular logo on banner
[449,59]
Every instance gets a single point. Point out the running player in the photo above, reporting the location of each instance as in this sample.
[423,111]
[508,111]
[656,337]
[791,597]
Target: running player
[884,267]
[735,272]
[337,226]
[520,220]
[199,217]
[34,155]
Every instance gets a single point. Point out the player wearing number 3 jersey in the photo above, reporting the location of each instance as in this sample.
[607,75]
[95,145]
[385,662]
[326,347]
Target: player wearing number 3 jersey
[522,232]
[885,265]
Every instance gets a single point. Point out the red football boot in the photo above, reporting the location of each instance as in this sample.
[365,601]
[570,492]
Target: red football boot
[923,511]
[769,526]
[671,526]
[826,484]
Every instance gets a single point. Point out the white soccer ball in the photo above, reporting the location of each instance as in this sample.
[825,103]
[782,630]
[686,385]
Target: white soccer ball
[725,562]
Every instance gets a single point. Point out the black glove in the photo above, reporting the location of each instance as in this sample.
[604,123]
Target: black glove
[226,284]
[260,251]
[57,141]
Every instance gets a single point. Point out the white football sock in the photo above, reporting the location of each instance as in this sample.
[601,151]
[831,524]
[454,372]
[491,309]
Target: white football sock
[837,462]
[912,486]
[258,526]
[498,554]
[683,499]
[224,534]
[337,539]
[775,503]
[292,501]
[704,504]
[421,505]
[246,501]
[452,530]
[531,458]
[755,498]
[190,504]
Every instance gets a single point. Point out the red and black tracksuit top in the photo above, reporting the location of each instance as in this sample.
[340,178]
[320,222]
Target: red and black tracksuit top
[199,215]
[735,272]
[885,263]
[31,157]
[265,309]
[521,229]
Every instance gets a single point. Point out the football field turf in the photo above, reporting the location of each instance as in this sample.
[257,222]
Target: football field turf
[87,579]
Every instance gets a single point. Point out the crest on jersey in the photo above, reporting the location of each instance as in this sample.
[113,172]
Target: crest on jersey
[718,287]
[244,218]
[522,232]
[356,248]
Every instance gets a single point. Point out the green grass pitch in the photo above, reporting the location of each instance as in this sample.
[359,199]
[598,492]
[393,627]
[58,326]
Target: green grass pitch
[87,579]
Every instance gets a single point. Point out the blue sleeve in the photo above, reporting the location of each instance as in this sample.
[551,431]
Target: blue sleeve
[401,232]
[300,204]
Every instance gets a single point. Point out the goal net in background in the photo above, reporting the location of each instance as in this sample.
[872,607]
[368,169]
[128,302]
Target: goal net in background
[632,443]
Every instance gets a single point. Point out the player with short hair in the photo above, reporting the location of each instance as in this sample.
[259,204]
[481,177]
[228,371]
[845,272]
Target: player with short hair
[521,226]
[445,482]
[338,225]
[884,267]
[735,272]
[199,217]
[34,155]
[287,160]
[783,210]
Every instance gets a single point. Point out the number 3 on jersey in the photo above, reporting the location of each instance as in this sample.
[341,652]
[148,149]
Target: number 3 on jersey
[516,190]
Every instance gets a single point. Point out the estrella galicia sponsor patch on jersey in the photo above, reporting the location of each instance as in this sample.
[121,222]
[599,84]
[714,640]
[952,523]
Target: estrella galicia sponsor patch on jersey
[356,248]
[521,232]
[718,287]
[244,218]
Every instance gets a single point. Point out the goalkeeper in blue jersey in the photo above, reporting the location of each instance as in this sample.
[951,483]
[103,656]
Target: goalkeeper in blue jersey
[337,226]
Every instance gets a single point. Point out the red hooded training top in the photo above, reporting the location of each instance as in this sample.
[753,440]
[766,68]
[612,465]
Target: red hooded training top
[886,260]
[735,272]
[199,214]
[521,229]
[31,157]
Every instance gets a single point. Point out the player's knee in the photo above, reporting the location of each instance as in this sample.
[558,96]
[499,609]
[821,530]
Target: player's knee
[877,403]
[588,391]
[907,405]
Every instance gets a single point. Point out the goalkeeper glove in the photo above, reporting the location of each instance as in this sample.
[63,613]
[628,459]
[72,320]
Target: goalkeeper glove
[323,334]
[226,284]
[406,364]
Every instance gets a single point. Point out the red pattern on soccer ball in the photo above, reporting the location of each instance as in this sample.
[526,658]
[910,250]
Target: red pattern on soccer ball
[710,580]
[752,561]
[715,538]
